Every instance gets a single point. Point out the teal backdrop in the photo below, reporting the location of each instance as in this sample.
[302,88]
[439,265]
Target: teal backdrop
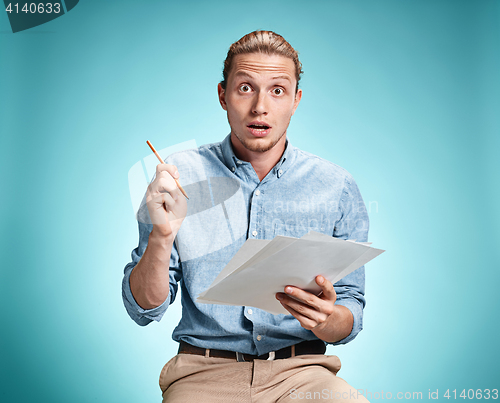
[403,94]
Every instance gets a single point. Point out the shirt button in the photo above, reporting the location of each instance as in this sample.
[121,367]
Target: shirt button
[239,162]
[280,172]
[250,311]
[233,169]
[257,192]
[254,233]
[259,337]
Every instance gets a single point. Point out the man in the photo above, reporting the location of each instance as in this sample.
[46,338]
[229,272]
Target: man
[254,184]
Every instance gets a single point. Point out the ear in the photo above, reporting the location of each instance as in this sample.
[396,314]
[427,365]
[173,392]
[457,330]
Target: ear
[222,97]
[298,97]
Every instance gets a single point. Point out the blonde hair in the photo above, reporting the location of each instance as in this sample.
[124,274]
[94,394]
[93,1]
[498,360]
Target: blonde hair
[266,42]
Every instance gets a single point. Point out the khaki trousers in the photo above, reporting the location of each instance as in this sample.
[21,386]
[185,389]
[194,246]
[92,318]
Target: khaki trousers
[194,378]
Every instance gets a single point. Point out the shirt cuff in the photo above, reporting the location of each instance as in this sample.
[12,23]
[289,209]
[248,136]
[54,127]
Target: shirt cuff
[357,314]
[139,315]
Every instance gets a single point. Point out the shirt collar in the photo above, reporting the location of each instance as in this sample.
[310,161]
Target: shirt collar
[279,169]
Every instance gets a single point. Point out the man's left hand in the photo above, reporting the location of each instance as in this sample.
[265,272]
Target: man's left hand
[329,322]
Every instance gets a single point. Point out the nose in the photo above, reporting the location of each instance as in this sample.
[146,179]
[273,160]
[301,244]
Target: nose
[260,105]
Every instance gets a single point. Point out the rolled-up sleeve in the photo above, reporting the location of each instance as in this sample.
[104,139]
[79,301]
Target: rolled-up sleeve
[145,316]
[353,224]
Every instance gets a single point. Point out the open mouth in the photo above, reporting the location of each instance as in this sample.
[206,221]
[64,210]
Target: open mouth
[259,127]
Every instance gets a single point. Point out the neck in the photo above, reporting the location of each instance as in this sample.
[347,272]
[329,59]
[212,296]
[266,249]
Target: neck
[262,162]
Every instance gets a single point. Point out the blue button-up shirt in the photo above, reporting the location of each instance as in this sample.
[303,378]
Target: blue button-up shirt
[229,204]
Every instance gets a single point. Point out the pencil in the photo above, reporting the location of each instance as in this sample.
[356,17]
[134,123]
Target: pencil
[161,162]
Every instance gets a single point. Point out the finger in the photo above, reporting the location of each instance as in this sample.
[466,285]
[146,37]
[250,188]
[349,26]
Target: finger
[164,183]
[303,309]
[305,297]
[304,321]
[327,288]
[171,169]
[157,209]
[168,201]
[161,201]
[163,209]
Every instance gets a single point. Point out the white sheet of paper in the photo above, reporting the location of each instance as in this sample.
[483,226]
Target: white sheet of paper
[252,252]
[249,249]
[281,262]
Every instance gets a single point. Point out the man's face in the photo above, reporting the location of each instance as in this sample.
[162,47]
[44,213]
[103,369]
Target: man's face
[260,100]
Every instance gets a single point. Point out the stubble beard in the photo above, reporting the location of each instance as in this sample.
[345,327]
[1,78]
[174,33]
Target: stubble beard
[259,148]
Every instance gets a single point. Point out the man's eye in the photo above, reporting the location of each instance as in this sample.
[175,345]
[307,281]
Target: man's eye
[278,91]
[244,88]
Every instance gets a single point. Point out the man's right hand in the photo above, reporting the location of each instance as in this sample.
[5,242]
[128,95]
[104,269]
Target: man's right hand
[166,204]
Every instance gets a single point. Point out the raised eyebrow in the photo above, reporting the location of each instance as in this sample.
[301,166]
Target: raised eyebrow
[282,77]
[243,74]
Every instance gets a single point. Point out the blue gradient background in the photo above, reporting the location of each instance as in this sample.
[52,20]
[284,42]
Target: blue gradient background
[403,94]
